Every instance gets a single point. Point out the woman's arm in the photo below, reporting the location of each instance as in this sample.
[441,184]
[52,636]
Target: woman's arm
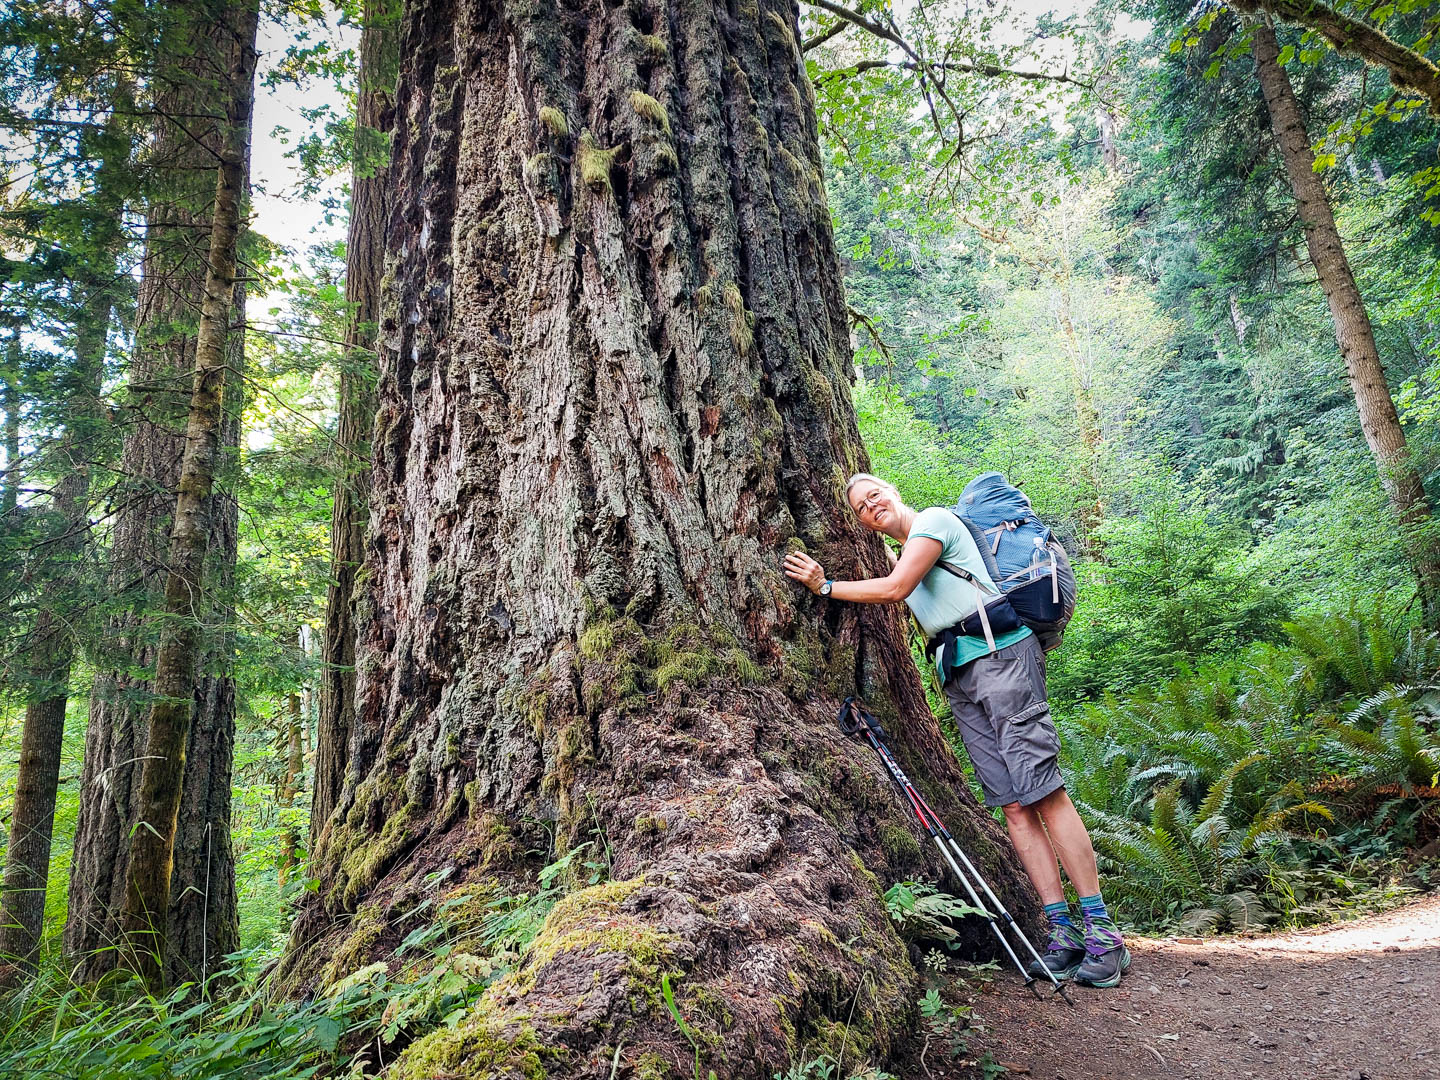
[915,561]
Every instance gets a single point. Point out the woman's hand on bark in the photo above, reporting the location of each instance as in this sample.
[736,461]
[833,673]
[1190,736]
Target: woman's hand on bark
[805,570]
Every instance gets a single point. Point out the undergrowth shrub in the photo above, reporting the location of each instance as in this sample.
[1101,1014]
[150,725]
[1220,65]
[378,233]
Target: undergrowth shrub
[1234,794]
[460,943]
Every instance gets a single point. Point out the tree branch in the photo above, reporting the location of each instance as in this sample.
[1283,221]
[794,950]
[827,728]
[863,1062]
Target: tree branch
[1409,70]
[992,70]
[824,35]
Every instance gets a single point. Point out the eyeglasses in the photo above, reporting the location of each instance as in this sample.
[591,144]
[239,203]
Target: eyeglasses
[870,502]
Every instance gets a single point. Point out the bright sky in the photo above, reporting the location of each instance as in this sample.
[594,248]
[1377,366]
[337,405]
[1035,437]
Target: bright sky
[298,224]
[279,213]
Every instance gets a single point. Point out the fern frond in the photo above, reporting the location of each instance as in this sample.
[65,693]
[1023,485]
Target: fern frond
[1218,797]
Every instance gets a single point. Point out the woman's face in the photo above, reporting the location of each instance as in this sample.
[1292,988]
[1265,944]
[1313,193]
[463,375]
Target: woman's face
[874,504]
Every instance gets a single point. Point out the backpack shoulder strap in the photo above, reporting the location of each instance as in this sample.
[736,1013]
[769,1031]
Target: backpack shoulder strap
[963,574]
[982,545]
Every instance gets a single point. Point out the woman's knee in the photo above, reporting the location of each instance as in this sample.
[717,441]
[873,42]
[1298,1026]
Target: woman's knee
[1017,814]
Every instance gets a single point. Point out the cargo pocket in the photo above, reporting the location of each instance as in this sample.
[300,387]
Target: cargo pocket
[1030,746]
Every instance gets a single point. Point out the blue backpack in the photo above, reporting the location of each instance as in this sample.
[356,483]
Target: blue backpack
[1021,555]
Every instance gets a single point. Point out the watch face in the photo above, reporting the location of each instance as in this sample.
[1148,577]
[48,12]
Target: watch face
[825,589]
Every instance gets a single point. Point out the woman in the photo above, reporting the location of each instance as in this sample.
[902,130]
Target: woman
[998,698]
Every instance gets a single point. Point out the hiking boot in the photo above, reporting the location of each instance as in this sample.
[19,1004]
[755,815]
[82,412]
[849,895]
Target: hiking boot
[1106,957]
[1064,953]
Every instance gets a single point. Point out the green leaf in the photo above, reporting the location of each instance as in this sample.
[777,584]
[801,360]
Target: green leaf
[1287,54]
[327,1033]
[669,996]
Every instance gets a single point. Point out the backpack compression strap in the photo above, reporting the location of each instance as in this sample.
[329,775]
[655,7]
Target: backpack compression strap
[1001,529]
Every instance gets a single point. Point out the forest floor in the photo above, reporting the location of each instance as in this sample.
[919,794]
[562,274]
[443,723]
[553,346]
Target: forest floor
[1357,1000]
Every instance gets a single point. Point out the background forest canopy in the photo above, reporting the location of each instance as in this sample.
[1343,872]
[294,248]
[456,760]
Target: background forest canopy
[1173,268]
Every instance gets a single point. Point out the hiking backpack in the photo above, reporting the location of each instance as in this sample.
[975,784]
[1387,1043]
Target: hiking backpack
[1022,557]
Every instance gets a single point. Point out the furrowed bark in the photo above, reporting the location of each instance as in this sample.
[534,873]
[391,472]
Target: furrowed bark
[152,844]
[370,200]
[1353,332]
[614,385]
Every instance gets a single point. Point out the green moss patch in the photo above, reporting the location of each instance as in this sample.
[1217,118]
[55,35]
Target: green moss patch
[553,121]
[899,845]
[621,661]
[592,920]
[595,164]
[479,1047]
[742,322]
[367,862]
[366,931]
[650,109]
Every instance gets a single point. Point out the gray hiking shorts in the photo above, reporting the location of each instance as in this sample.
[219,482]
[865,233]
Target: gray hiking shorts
[1004,720]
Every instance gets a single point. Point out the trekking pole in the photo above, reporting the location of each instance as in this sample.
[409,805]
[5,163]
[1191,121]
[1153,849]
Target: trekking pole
[999,906]
[866,726]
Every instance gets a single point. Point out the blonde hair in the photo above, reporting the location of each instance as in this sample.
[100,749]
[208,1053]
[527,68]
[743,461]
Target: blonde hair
[865,477]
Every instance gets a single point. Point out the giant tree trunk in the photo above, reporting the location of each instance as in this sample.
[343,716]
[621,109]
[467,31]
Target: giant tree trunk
[370,199]
[202,920]
[613,386]
[1353,333]
[187,590]
[49,654]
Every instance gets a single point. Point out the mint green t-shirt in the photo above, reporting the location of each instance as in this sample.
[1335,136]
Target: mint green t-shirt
[942,599]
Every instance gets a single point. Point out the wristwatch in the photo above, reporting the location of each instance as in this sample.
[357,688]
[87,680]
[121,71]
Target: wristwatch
[825,589]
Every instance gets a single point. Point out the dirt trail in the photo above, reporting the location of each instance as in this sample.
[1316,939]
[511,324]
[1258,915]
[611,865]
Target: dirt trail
[1357,1001]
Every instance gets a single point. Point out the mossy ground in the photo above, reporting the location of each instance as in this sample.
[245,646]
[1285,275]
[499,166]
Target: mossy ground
[367,930]
[478,1048]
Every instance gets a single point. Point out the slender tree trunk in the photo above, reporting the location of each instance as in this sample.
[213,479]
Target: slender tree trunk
[370,199]
[50,652]
[1353,333]
[27,859]
[294,761]
[152,845]
[1087,419]
[1106,122]
[10,489]
[613,387]
[202,918]
[290,785]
